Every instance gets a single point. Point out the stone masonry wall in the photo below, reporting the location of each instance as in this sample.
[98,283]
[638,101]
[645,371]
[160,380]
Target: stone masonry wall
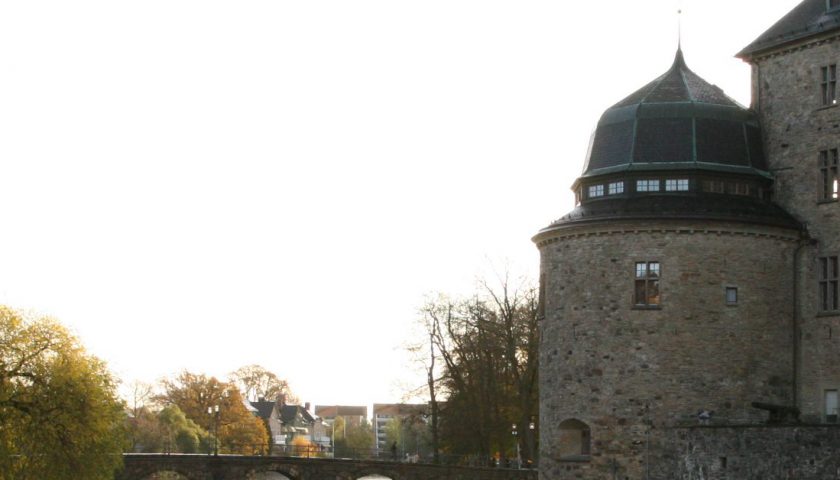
[755,453]
[787,96]
[630,374]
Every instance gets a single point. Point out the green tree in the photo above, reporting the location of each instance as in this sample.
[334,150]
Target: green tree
[196,395]
[352,440]
[182,435]
[59,413]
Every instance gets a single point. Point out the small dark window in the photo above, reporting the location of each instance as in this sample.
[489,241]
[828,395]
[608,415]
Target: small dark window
[829,84]
[647,284]
[829,175]
[714,186]
[829,284]
[832,4]
[731,295]
[831,406]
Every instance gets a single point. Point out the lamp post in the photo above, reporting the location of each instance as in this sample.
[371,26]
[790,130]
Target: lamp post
[515,434]
[532,430]
[214,410]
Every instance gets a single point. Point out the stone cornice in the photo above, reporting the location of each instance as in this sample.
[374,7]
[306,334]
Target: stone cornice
[793,46]
[558,233]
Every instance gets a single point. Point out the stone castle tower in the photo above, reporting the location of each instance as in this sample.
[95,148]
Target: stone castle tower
[698,273]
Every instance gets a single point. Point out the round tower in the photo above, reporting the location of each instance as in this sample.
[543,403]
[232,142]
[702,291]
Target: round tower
[667,291]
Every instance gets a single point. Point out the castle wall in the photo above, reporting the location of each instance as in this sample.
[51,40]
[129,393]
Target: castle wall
[753,453]
[787,95]
[629,374]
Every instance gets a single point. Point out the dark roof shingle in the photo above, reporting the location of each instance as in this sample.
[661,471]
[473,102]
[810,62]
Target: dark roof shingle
[807,19]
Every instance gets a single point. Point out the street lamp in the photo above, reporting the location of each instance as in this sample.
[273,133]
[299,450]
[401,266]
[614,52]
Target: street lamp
[214,410]
[516,440]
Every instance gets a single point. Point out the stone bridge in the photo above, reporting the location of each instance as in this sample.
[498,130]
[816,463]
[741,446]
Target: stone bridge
[235,467]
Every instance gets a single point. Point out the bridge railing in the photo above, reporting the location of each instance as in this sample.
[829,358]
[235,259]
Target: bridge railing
[319,451]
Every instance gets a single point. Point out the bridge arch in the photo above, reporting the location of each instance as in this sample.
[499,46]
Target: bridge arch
[377,474]
[272,474]
[165,473]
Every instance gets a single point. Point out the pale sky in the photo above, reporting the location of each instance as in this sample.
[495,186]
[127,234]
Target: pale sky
[206,184]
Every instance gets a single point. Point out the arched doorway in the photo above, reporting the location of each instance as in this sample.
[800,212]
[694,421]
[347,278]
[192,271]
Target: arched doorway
[575,439]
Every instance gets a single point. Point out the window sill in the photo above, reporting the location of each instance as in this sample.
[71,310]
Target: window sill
[829,313]
[827,107]
[830,200]
[576,458]
[647,307]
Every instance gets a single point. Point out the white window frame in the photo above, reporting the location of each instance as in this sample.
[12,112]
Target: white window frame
[676,185]
[647,185]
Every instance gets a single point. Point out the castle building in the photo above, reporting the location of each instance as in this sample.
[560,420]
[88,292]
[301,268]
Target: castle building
[691,320]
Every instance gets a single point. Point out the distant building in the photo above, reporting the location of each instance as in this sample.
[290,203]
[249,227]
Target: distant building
[270,412]
[384,413]
[352,415]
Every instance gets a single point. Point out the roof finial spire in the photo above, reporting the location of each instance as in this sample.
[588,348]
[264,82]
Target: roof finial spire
[679,29]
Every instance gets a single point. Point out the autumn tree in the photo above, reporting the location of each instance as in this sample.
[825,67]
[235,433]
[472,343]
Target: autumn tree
[256,382]
[59,413]
[487,345]
[197,396]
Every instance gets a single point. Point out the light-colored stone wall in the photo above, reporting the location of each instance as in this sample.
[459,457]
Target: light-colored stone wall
[796,126]
[629,373]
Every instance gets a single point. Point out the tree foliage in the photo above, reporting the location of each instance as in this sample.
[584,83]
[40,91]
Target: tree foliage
[488,348]
[196,395]
[256,382]
[352,439]
[59,414]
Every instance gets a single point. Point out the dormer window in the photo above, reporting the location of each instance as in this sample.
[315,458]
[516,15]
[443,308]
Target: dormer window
[676,185]
[647,185]
[616,188]
[596,191]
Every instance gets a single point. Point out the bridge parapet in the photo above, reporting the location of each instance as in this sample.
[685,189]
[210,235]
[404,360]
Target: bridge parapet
[236,467]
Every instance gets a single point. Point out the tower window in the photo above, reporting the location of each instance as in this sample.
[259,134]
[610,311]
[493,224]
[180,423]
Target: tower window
[731,295]
[647,284]
[596,191]
[647,185]
[829,84]
[831,406]
[829,175]
[714,186]
[829,284]
[678,185]
[616,187]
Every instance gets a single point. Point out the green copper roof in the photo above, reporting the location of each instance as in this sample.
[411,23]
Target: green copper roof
[677,121]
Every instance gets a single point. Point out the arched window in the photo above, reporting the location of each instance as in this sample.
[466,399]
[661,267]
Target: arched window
[575,439]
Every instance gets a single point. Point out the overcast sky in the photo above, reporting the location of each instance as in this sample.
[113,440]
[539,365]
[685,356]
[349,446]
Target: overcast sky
[206,184]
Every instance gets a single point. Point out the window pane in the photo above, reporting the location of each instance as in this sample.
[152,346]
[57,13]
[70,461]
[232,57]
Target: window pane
[653,292]
[653,269]
[731,295]
[641,295]
[641,270]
